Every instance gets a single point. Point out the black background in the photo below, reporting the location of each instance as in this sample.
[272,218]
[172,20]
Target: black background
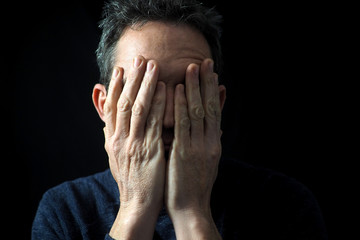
[282,110]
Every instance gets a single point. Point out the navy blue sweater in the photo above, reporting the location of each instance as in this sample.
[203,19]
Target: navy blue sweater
[247,203]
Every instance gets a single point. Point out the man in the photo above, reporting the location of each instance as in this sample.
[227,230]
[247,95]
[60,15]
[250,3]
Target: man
[161,103]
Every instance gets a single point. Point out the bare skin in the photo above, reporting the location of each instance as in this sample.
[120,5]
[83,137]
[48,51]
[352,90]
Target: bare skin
[162,115]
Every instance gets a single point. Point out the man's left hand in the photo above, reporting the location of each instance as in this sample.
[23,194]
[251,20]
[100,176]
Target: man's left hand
[195,152]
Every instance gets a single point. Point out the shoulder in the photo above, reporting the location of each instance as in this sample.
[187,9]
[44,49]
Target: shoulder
[84,191]
[71,208]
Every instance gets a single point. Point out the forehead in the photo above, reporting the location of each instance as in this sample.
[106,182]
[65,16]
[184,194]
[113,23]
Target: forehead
[174,47]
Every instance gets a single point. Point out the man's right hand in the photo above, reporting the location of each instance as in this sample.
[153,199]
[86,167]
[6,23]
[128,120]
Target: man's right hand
[133,128]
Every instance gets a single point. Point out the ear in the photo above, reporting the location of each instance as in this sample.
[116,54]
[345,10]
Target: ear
[99,97]
[222,96]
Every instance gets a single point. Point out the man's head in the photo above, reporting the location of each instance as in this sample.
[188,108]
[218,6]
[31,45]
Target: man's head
[120,15]
[174,33]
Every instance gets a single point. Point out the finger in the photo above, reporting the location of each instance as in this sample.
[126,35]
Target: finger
[210,97]
[143,100]
[195,106]
[155,118]
[128,96]
[114,91]
[182,121]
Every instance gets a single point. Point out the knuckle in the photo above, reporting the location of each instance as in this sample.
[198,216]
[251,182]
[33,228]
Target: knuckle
[185,123]
[124,104]
[215,152]
[211,107]
[112,147]
[137,109]
[197,112]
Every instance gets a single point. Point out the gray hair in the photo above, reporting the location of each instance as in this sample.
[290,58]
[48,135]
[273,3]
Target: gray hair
[119,14]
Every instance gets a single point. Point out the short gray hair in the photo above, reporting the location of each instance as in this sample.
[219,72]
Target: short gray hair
[119,14]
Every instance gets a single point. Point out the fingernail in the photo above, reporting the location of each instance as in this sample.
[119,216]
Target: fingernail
[149,66]
[115,73]
[137,62]
[211,65]
[196,71]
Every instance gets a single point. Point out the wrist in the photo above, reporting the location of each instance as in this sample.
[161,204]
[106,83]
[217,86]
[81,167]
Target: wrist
[134,222]
[194,224]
